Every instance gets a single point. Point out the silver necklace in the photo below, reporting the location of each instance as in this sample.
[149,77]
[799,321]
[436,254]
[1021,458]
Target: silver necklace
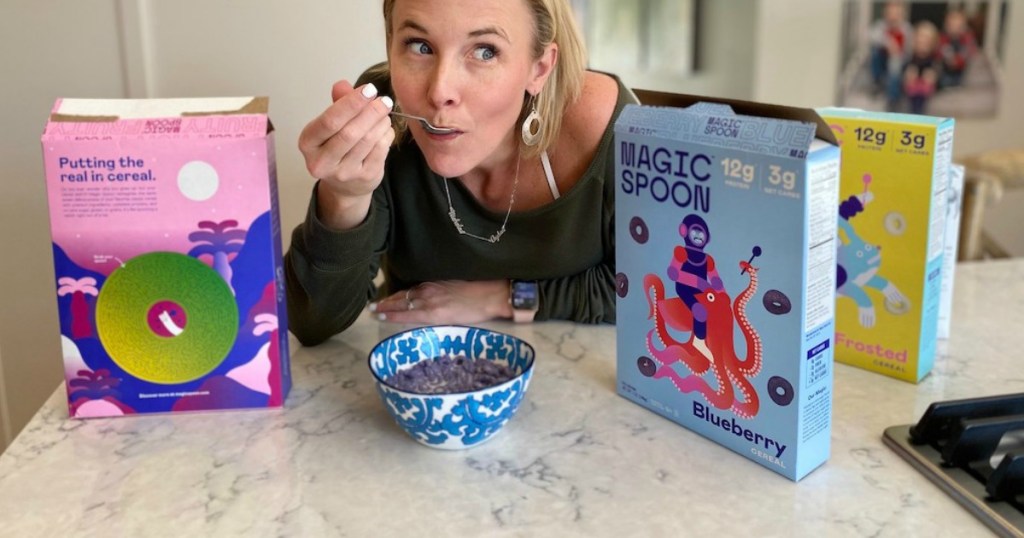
[496,236]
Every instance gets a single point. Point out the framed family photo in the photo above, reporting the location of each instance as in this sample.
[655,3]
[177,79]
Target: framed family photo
[941,58]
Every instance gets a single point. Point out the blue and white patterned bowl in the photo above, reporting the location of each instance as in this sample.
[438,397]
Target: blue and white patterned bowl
[457,420]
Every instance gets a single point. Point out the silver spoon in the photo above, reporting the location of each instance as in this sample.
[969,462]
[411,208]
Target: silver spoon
[426,124]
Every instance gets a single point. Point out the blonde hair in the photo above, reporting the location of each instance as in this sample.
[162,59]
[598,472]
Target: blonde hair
[927,30]
[553,23]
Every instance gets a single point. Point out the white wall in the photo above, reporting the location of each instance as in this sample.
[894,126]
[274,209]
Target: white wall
[796,57]
[47,50]
[292,52]
[727,40]
[783,51]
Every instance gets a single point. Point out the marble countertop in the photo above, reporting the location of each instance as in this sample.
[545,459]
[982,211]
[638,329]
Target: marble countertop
[577,460]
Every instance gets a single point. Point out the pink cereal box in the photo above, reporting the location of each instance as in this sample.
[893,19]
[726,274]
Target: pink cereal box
[167,254]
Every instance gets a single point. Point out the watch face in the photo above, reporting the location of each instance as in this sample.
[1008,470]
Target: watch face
[524,295]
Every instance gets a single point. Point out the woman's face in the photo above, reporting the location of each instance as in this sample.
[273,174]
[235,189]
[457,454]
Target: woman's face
[464,64]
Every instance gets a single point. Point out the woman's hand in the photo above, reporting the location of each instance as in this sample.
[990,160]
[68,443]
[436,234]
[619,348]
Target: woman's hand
[345,147]
[447,301]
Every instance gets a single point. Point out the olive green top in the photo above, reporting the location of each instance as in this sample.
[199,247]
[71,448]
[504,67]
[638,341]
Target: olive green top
[568,245]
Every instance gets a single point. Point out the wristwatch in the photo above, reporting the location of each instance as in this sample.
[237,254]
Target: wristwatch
[524,296]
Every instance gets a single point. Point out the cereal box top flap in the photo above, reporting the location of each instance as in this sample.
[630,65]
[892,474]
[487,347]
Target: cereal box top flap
[238,116]
[710,106]
[871,115]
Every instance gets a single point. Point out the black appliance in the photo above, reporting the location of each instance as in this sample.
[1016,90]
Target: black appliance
[974,450]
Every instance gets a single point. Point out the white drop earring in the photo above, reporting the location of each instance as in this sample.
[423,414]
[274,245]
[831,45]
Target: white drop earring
[531,137]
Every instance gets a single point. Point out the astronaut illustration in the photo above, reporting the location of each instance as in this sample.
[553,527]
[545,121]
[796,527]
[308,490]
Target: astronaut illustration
[858,264]
[693,271]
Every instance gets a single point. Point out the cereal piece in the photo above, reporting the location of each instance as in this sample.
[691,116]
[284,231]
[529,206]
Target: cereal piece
[776,302]
[897,308]
[621,284]
[447,374]
[895,223]
[647,366]
[780,390]
[638,229]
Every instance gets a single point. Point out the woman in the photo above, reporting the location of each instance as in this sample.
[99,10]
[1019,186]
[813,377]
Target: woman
[453,219]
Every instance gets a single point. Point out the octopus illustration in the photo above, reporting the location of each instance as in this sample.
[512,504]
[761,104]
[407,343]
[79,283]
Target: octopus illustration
[732,388]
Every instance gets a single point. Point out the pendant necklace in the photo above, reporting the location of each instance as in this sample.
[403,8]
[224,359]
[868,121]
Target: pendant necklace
[496,236]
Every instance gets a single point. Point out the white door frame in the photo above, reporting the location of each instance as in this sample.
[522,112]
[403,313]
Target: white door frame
[5,417]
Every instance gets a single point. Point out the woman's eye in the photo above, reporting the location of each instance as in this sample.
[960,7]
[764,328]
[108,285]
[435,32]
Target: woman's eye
[485,53]
[418,47]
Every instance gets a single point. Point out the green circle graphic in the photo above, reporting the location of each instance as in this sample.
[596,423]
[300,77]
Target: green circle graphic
[131,290]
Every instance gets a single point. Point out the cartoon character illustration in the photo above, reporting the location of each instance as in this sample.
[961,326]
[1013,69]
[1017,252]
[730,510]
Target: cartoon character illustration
[859,263]
[703,302]
[693,271]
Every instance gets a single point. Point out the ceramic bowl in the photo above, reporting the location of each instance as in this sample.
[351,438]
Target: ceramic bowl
[460,419]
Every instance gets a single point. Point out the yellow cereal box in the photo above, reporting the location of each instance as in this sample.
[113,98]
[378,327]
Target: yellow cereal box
[892,205]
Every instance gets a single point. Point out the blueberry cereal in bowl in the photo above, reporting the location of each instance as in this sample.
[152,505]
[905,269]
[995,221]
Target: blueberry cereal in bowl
[451,386]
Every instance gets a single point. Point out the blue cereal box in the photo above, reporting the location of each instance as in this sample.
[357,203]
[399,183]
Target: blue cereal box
[725,247]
